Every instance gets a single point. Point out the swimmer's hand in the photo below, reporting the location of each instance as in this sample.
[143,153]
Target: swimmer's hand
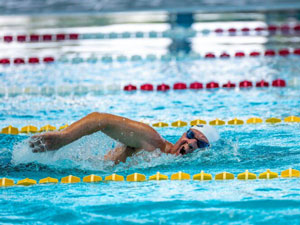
[47,142]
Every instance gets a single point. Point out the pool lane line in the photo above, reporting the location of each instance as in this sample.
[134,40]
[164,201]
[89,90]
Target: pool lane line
[100,89]
[29,129]
[137,177]
[178,33]
[48,60]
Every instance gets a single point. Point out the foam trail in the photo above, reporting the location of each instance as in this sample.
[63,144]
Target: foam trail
[85,153]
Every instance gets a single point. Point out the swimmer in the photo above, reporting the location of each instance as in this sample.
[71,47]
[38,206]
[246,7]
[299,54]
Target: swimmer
[134,137]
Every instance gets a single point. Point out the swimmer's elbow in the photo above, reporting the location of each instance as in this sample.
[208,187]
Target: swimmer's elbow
[96,115]
[152,145]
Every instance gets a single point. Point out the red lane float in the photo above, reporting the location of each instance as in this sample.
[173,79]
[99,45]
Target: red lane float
[224,55]
[163,87]
[47,37]
[4,61]
[270,52]
[262,83]
[232,30]
[33,60]
[254,54]
[34,37]
[48,60]
[284,52]
[278,83]
[239,54]
[212,85]
[297,28]
[147,87]
[245,84]
[21,38]
[297,51]
[8,38]
[218,30]
[60,37]
[285,28]
[73,36]
[130,88]
[259,29]
[196,85]
[179,86]
[210,55]
[19,61]
[245,30]
[229,85]
[272,28]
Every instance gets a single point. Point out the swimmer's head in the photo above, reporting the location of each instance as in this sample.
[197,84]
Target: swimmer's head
[199,136]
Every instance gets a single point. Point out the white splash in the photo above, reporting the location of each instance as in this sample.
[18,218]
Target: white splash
[88,154]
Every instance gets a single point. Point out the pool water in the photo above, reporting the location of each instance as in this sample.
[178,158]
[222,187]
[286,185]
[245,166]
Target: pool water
[253,147]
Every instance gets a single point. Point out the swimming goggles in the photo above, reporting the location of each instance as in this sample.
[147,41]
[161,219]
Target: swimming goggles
[200,143]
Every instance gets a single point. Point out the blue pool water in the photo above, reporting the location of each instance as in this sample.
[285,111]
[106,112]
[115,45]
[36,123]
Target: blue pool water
[253,147]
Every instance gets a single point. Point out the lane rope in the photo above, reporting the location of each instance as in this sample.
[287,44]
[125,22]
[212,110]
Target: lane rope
[137,177]
[17,61]
[147,87]
[177,33]
[29,129]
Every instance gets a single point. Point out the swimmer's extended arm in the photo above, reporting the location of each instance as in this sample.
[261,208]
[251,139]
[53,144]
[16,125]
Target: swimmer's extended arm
[131,133]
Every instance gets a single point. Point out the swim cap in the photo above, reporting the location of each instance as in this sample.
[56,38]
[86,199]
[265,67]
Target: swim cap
[208,131]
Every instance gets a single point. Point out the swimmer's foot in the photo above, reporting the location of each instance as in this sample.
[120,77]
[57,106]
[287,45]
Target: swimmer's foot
[46,142]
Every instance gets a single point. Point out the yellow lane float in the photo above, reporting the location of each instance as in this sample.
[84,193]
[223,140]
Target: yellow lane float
[224,176]
[63,127]
[292,119]
[92,178]
[289,173]
[217,122]
[114,177]
[180,176]
[47,128]
[158,176]
[235,121]
[268,175]
[136,177]
[48,180]
[246,176]
[10,130]
[197,122]
[202,176]
[160,124]
[29,129]
[27,182]
[5,182]
[254,120]
[179,123]
[70,180]
[273,120]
